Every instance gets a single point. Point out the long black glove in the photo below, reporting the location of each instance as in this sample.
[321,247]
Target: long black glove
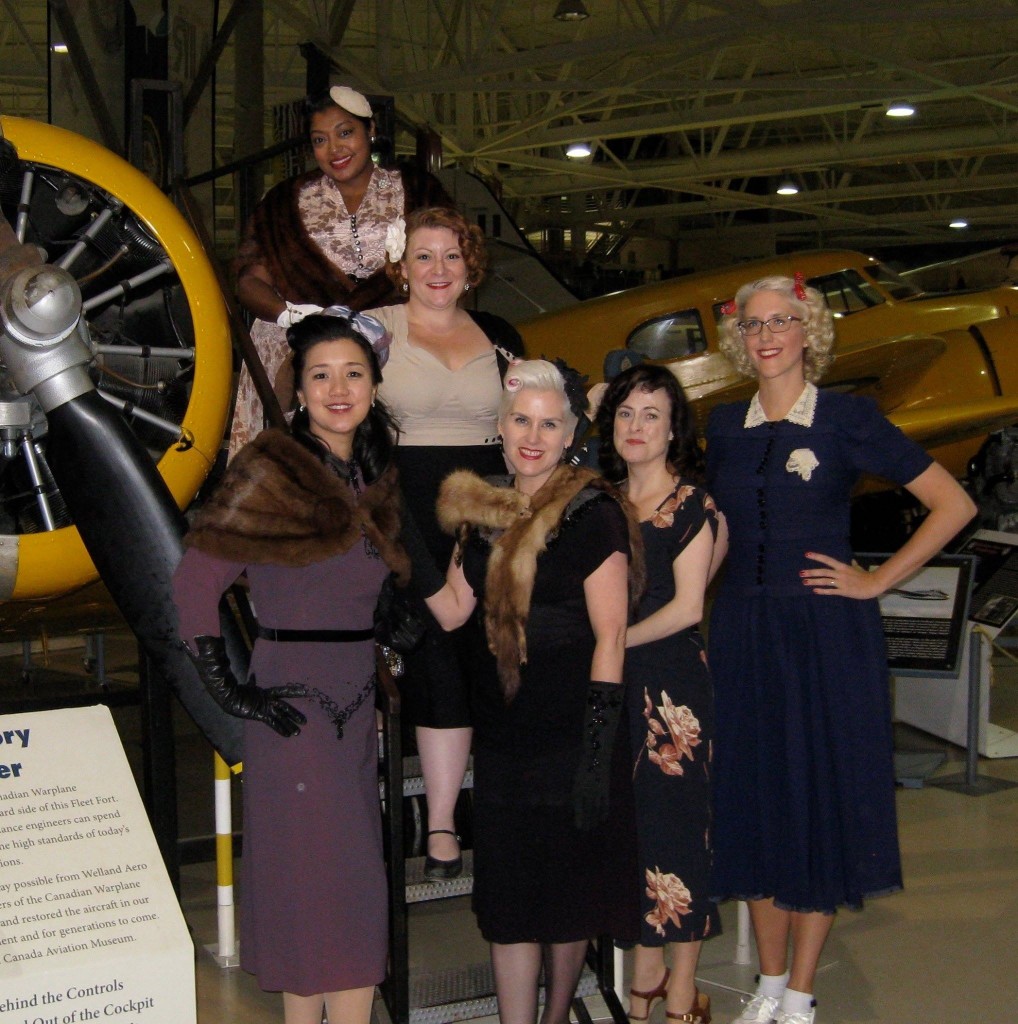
[593,774]
[400,622]
[245,700]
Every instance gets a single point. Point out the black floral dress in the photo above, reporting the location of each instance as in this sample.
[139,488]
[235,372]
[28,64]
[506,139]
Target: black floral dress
[671,722]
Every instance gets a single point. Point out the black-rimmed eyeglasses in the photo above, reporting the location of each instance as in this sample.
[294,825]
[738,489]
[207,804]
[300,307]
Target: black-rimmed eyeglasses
[776,325]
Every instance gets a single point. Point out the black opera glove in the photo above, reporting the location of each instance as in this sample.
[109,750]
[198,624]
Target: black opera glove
[400,622]
[245,700]
[592,781]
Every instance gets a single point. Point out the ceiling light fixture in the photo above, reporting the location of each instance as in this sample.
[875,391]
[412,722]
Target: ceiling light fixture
[787,188]
[578,150]
[59,47]
[571,10]
[899,108]
[959,224]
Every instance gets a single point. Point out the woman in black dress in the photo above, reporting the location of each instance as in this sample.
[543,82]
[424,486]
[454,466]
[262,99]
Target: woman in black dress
[648,438]
[547,553]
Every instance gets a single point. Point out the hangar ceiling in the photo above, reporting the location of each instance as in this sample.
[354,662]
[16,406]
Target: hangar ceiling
[694,112]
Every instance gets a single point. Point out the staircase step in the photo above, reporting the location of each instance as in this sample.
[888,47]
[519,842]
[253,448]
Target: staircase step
[463,993]
[420,889]
[413,780]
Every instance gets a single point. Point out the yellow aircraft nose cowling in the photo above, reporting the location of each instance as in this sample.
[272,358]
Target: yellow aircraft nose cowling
[66,179]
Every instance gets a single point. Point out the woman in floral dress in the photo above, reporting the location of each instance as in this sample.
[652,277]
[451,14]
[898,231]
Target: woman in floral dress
[318,239]
[648,437]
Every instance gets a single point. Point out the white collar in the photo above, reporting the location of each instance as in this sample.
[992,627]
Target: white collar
[801,414]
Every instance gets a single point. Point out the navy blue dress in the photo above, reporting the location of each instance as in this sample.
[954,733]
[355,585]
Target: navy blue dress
[671,728]
[803,771]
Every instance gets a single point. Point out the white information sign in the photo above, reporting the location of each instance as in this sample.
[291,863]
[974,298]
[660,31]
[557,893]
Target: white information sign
[90,928]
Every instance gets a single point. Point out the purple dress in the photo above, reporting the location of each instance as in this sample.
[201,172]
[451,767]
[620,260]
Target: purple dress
[313,891]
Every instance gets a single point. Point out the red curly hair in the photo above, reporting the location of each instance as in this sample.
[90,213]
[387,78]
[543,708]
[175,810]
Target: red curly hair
[470,237]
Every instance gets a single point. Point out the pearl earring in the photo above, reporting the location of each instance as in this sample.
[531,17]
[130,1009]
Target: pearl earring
[406,287]
[466,287]
[302,408]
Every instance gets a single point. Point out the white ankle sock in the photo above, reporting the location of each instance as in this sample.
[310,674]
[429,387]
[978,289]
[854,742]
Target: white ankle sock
[772,985]
[797,1002]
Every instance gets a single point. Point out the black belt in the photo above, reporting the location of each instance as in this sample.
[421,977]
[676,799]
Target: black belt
[314,636]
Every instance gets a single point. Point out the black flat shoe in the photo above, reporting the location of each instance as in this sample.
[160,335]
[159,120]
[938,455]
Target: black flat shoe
[436,869]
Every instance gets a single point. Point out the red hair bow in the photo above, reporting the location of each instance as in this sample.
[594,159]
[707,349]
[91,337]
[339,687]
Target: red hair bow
[800,286]
[728,308]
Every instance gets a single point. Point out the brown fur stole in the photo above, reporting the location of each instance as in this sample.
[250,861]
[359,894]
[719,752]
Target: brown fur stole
[280,505]
[276,239]
[526,528]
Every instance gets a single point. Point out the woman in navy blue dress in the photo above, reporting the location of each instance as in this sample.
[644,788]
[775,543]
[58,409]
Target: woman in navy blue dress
[649,438]
[803,775]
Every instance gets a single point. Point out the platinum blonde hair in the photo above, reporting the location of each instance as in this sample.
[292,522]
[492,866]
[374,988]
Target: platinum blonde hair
[535,375]
[817,326]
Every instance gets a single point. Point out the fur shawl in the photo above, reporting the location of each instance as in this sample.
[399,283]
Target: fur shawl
[280,505]
[276,239]
[526,529]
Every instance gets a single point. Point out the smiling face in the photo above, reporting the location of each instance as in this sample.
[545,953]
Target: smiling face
[775,356]
[535,436]
[337,388]
[342,148]
[642,426]
[434,267]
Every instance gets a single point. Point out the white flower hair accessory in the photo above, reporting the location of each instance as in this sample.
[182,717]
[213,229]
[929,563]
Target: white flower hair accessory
[803,462]
[395,240]
[350,100]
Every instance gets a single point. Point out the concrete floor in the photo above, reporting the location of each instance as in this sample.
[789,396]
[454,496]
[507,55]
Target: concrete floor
[944,950]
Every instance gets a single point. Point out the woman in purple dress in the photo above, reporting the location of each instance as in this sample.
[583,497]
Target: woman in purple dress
[313,517]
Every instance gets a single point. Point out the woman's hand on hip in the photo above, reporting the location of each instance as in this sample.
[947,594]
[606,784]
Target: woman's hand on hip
[840,578]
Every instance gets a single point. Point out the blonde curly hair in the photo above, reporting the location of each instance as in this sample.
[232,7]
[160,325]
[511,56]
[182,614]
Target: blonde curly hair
[817,326]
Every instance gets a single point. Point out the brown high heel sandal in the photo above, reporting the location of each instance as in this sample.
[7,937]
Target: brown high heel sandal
[653,996]
[698,1013]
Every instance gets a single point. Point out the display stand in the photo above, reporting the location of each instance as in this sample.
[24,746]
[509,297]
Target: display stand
[970,782]
[947,708]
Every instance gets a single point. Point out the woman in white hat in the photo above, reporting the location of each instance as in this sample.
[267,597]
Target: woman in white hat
[318,239]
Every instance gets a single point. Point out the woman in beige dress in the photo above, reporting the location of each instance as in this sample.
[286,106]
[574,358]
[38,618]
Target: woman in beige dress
[443,382]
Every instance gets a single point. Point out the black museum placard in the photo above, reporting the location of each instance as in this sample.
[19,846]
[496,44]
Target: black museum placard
[925,616]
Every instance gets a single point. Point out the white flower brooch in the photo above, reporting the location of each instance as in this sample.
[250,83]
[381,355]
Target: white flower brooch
[803,462]
[395,240]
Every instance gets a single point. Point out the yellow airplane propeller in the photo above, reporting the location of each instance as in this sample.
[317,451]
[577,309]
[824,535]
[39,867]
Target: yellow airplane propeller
[158,329]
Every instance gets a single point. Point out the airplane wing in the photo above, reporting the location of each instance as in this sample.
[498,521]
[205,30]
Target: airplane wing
[945,424]
[885,369]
